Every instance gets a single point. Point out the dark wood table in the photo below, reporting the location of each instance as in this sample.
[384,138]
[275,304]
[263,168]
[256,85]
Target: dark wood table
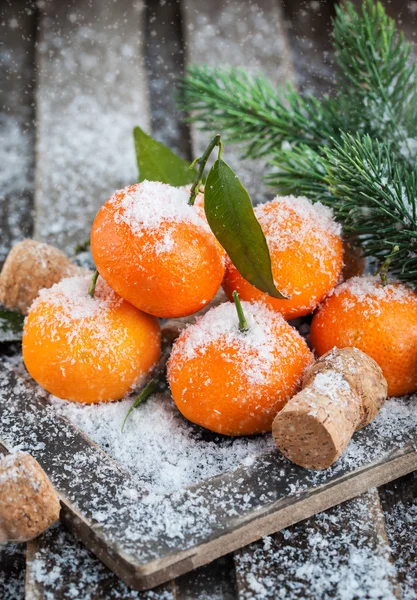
[76,77]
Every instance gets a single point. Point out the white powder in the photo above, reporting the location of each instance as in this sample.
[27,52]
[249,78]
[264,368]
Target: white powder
[147,204]
[368,292]
[257,349]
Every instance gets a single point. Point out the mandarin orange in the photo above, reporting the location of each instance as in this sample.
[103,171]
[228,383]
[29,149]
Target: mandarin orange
[231,382]
[379,320]
[88,349]
[156,251]
[306,255]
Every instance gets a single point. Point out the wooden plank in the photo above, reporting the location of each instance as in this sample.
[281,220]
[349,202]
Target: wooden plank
[216,581]
[399,501]
[165,64]
[12,571]
[92,90]
[239,34]
[58,566]
[147,540]
[16,122]
[339,553]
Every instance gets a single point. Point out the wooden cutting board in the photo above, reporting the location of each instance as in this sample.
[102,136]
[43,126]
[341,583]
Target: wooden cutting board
[148,539]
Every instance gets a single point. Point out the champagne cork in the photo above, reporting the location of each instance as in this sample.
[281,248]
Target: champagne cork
[28,501]
[341,392]
[30,267]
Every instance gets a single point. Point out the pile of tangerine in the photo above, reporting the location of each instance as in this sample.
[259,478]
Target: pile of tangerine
[235,367]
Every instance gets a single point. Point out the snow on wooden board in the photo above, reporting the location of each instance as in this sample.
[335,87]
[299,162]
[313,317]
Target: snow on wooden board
[148,532]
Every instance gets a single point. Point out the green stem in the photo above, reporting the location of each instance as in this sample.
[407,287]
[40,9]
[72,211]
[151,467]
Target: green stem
[201,162]
[383,269]
[92,287]
[149,389]
[243,324]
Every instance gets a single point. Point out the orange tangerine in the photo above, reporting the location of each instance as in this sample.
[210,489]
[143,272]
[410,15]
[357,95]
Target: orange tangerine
[156,251]
[231,382]
[379,320]
[87,349]
[306,255]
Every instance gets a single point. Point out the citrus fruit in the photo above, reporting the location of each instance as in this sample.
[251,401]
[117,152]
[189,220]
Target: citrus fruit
[231,382]
[156,251]
[379,320]
[306,255]
[88,349]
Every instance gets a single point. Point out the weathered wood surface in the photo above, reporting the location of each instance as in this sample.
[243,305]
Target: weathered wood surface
[17,92]
[91,91]
[238,34]
[106,509]
[342,552]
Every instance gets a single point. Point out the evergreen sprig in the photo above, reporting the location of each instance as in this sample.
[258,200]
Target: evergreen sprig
[355,152]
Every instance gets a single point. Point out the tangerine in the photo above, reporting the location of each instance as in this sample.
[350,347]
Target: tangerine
[306,255]
[380,320]
[156,251]
[87,349]
[235,382]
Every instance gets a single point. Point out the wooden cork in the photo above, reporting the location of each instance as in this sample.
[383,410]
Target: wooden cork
[28,501]
[341,392]
[30,267]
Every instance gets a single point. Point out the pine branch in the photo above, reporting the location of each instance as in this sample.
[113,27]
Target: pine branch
[376,77]
[247,109]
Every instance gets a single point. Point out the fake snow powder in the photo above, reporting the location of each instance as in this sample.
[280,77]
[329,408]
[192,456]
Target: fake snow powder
[369,292]
[257,349]
[311,220]
[147,204]
[335,554]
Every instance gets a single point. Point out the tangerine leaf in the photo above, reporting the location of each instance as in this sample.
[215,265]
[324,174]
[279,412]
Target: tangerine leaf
[157,162]
[230,214]
[11,325]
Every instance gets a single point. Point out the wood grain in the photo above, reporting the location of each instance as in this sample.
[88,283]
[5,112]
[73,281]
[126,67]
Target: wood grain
[238,34]
[16,122]
[102,504]
[92,91]
[324,557]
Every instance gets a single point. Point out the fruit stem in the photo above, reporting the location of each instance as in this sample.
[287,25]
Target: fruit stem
[201,162]
[383,269]
[92,287]
[150,388]
[243,324]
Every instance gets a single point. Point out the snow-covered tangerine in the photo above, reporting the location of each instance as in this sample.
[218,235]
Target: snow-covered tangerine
[306,255]
[235,383]
[88,349]
[156,251]
[380,320]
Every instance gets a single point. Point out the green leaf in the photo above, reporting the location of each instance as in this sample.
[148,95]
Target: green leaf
[156,162]
[11,325]
[231,217]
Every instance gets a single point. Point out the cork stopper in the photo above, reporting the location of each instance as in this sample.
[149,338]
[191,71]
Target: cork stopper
[341,392]
[28,501]
[30,267]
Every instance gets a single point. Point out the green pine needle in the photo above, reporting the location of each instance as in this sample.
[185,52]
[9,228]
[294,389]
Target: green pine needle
[355,152]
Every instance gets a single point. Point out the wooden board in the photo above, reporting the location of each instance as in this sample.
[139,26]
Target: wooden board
[340,552]
[106,509]
[91,92]
[238,34]
[16,122]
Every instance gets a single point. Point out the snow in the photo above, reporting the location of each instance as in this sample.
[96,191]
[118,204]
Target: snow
[333,555]
[370,293]
[268,342]
[146,205]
